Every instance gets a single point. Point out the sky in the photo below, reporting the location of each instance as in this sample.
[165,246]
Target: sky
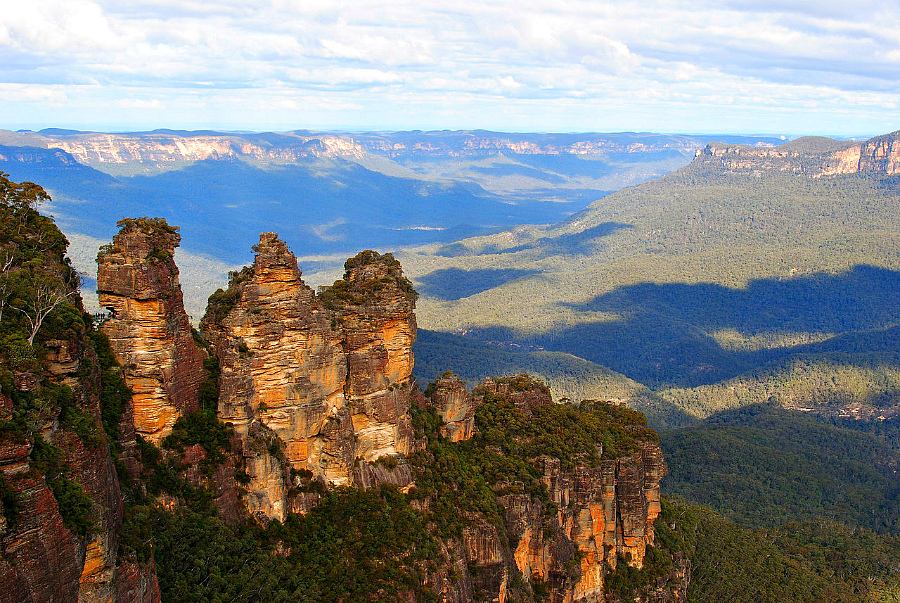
[726,66]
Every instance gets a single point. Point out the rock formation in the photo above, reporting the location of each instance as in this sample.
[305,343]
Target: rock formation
[149,330]
[603,513]
[41,558]
[313,383]
[454,406]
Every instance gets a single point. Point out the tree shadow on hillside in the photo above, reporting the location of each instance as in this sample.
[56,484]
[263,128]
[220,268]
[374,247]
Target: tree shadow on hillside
[663,338]
[568,244]
[455,283]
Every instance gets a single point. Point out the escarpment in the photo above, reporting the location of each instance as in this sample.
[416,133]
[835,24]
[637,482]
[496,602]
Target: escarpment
[150,333]
[316,383]
[815,157]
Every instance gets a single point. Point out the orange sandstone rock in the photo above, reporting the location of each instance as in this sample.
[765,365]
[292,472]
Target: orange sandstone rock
[316,383]
[149,330]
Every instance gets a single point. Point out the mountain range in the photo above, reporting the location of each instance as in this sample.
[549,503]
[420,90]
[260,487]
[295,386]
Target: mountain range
[327,194]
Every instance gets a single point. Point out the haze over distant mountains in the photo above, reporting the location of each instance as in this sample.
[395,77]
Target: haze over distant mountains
[332,191]
[325,193]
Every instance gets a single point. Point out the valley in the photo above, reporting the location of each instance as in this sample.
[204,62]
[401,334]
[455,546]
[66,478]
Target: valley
[721,344]
[747,275]
[327,194]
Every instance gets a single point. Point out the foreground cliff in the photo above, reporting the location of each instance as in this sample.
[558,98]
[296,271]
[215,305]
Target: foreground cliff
[60,409]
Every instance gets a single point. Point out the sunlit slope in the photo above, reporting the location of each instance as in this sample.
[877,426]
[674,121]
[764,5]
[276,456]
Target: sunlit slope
[729,265]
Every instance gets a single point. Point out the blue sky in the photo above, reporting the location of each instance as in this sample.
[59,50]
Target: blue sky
[741,66]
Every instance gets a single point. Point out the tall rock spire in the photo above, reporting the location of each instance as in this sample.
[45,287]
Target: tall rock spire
[315,385]
[149,330]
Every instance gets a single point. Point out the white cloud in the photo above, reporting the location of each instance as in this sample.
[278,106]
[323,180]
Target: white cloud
[49,95]
[396,58]
[140,103]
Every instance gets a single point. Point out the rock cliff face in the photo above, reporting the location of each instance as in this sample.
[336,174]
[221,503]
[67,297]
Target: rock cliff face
[310,383]
[41,559]
[150,333]
[814,157]
[602,513]
[881,154]
[172,150]
[607,512]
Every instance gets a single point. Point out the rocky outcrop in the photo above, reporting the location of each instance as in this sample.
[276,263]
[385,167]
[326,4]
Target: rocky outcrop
[814,157]
[881,155]
[41,558]
[524,391]
[150,333]
[454,406]
[600,514]
[313,383]
[374,306]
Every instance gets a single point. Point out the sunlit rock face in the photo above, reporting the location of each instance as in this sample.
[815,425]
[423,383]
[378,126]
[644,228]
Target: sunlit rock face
[41,558]
[881,154]
[314,383]
[374,304]
[149,331]
[602,514]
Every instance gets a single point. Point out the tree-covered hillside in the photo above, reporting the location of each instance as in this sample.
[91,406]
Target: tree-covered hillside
[684,284]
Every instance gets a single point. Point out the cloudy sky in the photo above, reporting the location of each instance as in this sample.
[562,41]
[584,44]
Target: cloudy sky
[749,66]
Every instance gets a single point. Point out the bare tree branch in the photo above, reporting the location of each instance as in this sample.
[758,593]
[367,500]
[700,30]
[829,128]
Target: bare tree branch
[46,297]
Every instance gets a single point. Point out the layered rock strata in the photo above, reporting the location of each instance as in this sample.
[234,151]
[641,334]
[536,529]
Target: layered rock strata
[604,514]
[41,559]
[311,383]
[149,331]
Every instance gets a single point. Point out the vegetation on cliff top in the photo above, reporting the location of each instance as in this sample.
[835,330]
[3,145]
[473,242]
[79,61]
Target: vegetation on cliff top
[502,458]
[361,286]
[147,225]
[223,301]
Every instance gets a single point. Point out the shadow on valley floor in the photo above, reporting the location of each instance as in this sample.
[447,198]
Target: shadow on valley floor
[665,336]
[569,244]
[455,283]
[865,297]
[567,375]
